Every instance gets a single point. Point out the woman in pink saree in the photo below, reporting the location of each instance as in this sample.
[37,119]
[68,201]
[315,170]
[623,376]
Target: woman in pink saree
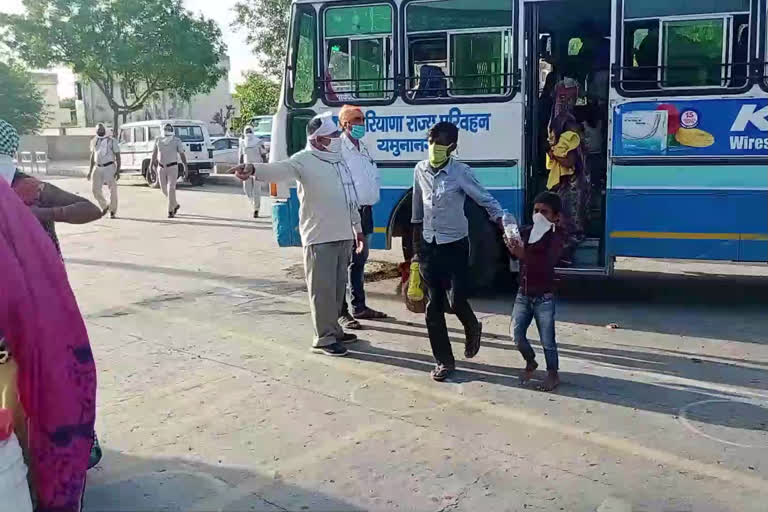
[46,335]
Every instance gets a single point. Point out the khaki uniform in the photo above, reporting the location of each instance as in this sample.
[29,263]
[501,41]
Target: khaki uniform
[252,152]
[104,151]
[168,149]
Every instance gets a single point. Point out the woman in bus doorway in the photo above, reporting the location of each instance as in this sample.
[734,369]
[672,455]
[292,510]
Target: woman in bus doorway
[567,175]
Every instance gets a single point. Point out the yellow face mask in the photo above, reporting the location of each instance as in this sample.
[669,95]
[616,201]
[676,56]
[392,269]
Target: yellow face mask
[438,154]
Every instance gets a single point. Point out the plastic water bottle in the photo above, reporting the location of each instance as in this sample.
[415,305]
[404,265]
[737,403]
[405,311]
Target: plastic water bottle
[511,229]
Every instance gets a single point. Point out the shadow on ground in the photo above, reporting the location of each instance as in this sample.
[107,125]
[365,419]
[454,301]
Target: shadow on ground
[127,483]
[661,398]
[691,305]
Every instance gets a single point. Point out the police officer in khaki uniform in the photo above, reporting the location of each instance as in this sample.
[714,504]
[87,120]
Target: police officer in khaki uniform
[166,154]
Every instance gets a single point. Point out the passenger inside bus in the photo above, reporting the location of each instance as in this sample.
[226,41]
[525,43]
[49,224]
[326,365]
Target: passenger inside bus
[572,117]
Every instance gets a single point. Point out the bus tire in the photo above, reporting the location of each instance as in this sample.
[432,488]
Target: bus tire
[196,180]
[487,260]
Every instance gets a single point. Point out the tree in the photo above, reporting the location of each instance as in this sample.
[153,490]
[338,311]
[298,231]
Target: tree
[21,103]
[130,49]
[223,116]
[266,24]
[258,96]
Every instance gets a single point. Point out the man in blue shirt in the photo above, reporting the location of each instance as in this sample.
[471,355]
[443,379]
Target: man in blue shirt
[440,185]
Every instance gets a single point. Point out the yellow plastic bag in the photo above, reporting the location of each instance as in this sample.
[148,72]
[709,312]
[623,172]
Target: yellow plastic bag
[414,298]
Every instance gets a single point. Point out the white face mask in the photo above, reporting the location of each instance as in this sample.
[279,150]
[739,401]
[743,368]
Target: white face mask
[540,227]
[7,169]
[334,146]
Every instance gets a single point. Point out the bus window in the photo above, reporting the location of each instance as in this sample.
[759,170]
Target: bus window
[301,79]
[458,48]
[685,45]
[358,46]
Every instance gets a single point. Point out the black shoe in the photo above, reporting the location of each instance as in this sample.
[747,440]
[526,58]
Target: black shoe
[347,337]
[335,350]
[171,215]
[348,322]
[176,210]
[112,215]
[256,214]
[472,343]
[442,372]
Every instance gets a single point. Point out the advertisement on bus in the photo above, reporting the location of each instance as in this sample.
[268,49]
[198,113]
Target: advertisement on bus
[719,127]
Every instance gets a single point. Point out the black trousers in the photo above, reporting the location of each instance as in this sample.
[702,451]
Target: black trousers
[446,267]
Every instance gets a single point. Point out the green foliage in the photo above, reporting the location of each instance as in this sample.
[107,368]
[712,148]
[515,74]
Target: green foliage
[266,23]
[131,49]
[258,96]
[21,103]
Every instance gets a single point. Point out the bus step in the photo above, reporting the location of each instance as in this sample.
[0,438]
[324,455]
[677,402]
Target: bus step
[587,253]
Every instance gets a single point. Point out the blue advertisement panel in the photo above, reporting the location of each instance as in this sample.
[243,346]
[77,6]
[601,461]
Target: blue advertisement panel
[716,127]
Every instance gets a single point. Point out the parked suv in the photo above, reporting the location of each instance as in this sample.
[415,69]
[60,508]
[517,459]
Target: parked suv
[137,140]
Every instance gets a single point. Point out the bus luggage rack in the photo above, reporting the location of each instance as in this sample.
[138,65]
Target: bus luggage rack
[639,78]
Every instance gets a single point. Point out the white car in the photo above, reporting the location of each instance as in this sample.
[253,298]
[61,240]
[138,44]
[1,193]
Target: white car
[226,153]
[137,140]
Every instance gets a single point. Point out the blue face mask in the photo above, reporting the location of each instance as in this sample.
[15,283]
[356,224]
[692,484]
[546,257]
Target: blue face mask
[357,131]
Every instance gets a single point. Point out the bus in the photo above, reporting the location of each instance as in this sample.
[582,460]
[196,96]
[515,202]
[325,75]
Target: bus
[672,93]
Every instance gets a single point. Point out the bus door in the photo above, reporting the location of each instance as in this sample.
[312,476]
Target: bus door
[567,43]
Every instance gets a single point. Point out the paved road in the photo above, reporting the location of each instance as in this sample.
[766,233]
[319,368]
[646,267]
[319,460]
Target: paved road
[209,399]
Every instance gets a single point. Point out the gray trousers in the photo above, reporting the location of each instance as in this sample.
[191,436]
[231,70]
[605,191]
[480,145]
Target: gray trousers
[326,267]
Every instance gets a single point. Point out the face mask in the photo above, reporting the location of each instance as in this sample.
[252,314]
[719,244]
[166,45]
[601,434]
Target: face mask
[334,146]
[438,154]
[540,227]
[357,131]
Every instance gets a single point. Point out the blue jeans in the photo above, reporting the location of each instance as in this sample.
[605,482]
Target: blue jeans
[543,310]
[356,281]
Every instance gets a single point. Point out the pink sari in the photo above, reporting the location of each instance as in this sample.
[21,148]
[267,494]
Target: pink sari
[44,330]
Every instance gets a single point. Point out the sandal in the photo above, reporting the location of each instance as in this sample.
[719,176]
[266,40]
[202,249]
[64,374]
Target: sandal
[370,314]
[347,322]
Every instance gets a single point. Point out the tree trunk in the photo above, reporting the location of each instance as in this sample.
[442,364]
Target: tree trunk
[115,122]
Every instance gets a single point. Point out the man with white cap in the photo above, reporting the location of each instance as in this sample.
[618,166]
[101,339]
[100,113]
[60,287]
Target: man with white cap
[169,149]
[252,152]
[329,224]
[105,158]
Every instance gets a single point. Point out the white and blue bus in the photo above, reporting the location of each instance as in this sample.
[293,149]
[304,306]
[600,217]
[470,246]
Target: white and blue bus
[673,94]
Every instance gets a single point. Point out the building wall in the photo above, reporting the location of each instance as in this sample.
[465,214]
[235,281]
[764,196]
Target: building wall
[58,147]
[47,84]
[201,107]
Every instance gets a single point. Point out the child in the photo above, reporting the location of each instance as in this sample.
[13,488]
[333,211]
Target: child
[540,252]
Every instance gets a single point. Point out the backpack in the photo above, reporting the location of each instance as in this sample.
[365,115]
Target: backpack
[104,151]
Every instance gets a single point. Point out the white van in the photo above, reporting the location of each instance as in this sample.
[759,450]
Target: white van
[137,140]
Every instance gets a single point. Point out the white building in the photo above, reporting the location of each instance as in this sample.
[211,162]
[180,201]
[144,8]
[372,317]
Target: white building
[95,109]
[48,84]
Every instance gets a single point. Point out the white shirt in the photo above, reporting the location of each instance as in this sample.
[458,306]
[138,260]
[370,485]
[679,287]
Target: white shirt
[104,148]
[365,174]
[252,148]
[325,212]
[168,149]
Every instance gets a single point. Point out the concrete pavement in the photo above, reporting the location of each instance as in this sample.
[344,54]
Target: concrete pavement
[209,398]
